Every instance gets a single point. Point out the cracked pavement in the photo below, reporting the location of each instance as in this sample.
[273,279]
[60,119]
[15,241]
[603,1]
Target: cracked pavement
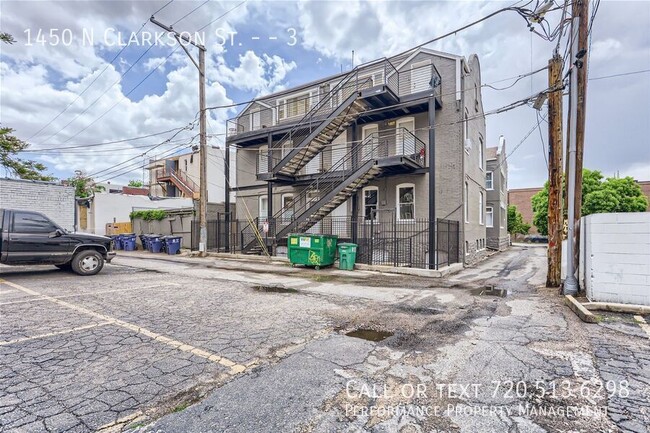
[176,344]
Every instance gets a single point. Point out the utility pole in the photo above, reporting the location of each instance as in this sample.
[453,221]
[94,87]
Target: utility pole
[571,282]
[580,8]
[555,169]
[203,151]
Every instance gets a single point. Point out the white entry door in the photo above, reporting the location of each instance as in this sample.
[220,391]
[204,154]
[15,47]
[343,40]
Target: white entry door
[369,146]
[340,220]
[421,76]
[405,141]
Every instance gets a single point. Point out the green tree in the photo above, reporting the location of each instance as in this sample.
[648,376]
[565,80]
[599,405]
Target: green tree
[7,38]
[84,185]
[598,196]
[516,224]
[10,146]
[134,183]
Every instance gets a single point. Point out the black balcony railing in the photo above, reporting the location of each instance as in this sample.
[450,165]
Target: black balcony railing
[311,108]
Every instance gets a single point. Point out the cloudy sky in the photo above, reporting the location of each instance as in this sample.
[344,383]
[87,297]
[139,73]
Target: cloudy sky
[75,78]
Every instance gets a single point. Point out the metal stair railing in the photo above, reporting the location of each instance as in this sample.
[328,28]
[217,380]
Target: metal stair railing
[329,103]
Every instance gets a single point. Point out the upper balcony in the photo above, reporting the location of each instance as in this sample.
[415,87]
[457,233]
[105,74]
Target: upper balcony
[379,84]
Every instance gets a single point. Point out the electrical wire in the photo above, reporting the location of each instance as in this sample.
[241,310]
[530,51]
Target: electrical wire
[93,81]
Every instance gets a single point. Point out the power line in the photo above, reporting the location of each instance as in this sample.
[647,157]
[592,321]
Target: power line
[103,143]
[644,71]
[94,79]
[144,153]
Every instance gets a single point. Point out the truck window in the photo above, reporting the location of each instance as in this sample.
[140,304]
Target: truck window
[27,222]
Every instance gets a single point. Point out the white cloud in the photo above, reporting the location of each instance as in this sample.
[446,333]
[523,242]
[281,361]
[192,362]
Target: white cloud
[258,74]
[153,63]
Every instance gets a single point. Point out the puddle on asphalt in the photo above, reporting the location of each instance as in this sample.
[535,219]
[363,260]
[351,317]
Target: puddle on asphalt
[273,289]
[369,334]
[489,291]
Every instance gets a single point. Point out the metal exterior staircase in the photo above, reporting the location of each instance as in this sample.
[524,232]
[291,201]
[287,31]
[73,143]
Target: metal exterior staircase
[181,181]
[322,196]
[332,114]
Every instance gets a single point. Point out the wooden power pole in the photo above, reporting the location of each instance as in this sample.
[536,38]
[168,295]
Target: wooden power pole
[555,215]
[182,39]
[580,8]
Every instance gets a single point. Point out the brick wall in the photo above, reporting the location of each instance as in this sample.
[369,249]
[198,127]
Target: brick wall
[521,199]
[54,201]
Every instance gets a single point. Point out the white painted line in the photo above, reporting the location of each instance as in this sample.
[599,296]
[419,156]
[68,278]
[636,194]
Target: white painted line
[4,292]
[51,334]
[643,324]
[81,295]
[234,367]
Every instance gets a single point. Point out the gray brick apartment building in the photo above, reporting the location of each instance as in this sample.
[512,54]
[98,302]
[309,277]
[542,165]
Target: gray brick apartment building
[350,155]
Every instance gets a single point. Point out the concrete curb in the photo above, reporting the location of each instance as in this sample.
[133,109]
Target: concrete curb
[429,273]
[584,314]
[617,308]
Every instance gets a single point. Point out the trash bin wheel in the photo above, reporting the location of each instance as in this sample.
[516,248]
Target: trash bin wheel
[317,268]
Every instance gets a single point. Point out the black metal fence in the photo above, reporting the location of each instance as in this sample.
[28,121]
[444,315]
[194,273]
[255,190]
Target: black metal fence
[382,240]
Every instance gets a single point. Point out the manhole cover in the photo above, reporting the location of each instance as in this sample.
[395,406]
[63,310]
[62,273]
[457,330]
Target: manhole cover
[369,334]
[273,289]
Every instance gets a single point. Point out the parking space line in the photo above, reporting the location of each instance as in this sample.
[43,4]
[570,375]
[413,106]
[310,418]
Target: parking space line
[51,334]
[98,292]
[643,324]
[234,367]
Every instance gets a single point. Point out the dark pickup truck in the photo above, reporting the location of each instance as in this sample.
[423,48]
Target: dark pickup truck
[30,238]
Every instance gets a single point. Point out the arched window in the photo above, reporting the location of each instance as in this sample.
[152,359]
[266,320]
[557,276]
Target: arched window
[405,202]
[370,201]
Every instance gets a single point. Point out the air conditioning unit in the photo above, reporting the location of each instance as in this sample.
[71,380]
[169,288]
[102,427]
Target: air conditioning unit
[468,144]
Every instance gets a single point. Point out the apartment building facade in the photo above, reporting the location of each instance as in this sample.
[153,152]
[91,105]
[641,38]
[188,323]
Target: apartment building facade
[178,175]
[350,155]
[496,185]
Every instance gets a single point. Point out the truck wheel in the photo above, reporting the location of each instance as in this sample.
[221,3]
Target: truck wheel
[87,262]
[65,267]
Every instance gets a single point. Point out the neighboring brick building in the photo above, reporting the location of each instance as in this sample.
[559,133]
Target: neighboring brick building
[53,200]
[521,198]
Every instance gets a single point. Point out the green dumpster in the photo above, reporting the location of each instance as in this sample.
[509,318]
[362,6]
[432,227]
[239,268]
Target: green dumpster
[347,256]
[311,250]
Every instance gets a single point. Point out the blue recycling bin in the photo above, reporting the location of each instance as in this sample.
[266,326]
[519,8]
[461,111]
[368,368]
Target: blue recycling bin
[143,241]
[114,239]
[118,242]
[155,244]
[128,242]
[173,244]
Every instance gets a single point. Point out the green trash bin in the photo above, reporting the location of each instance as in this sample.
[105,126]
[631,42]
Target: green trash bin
[311,250]
[347,256]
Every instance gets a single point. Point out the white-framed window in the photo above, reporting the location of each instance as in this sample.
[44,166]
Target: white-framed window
[297,105]
[370,201]
[263,159]
[287,209]
[504,216]
[256,119]
[489,183]
[481,209]
[466,210]
[489,216]
[467,248]
[405,202]
[480,153]
[263,208]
